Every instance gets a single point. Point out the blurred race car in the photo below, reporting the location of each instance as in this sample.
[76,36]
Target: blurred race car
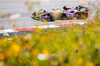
[67,13]
[43,16]
[74,14]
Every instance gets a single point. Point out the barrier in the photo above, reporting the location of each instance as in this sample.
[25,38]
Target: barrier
[22,31]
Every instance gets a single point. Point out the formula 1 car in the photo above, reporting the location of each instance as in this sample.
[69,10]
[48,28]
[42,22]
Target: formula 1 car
[67,13]
[79,12]
[74,15]
[43,16]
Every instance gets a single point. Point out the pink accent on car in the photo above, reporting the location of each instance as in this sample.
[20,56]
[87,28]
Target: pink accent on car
[67,10]
[71,8]
[74,15]
[37,16]
[67,15]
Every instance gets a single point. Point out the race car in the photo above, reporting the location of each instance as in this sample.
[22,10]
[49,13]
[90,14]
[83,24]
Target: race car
[67,13]
[43,16]
[74,14]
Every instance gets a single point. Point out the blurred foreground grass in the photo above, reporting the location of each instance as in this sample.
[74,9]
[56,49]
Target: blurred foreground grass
[65,47]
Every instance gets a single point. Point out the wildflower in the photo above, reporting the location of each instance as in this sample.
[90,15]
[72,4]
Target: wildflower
[89,64]
[27,3]
[42,57]
[27,48]
[14,25]
[76,50]
[38,30]
[2,41]
[91,29]
[2,56]
[14,22]
[97,22]
[45,52]
[15,49]
[27,37]
[44,38]
[45,22]
[74,30]
[35,52]
[79,61]
[14,17]
[2,27]
[5,15]
[33,63]
[7,53]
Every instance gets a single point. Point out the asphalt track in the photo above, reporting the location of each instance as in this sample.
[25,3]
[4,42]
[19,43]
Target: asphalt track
[18,24]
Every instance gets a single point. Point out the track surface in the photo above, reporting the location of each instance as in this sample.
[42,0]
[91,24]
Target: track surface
[18,24]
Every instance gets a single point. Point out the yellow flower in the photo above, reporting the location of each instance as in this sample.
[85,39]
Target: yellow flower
[15,48]
[2,57]
[79,61]
[2,41]
[7,53]
[45,22]
[91,29]
[4,15]
[45,52]
[35,52]
[74,30]
[38,30]
[45,38]
[89,64]
[33,63]
[97,22]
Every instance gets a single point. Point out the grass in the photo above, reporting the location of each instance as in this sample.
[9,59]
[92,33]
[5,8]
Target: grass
[53,47]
